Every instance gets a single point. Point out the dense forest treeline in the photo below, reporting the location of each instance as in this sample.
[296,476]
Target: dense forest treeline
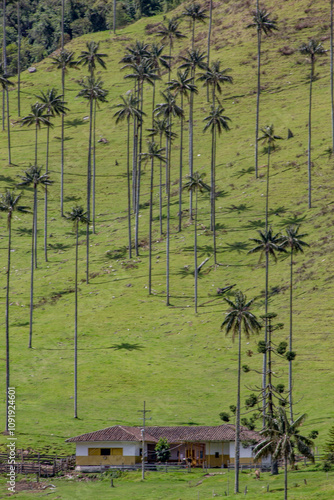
[40,23]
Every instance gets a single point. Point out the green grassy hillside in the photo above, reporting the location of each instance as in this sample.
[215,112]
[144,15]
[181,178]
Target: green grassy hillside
[131,346]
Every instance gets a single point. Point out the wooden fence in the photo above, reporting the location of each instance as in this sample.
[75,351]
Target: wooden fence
[42,465]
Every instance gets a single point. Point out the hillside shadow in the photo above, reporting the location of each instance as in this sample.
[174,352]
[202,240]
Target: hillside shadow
[59,246]
[25,231]
[120,253]
[238,208]
[6,178]
[72,198]
[238,246]
[277,211]
[244,171]
[74,123]
[127,346]
[185,272]
[255,224]
[221,194]
[293,220]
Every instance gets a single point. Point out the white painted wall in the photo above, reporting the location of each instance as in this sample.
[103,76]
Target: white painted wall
[226,448]
[129,449]
[244,452]
[213,447]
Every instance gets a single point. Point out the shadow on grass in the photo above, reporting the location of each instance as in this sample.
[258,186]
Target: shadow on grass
[59,246]
[120,253]
[72,198]
[25,323]
[244,171]
[255,224]
[74,123]
[277,211]
[127,347]
[238,208]
[185,272]
[238,246]
[293,220]
[6,178]
[25,231]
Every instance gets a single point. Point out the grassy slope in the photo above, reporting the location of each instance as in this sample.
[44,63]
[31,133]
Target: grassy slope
[133,348]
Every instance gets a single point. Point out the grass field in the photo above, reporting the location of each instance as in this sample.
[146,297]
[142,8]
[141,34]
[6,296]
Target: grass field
[131,346]
[304,483]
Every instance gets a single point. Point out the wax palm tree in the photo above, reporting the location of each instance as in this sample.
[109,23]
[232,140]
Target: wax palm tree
[268,138]
[54,106]
[91,57]
[18,7]
[183,85]
[281,438]
[93,91]
[239,319]
[196,184]
[294,242]
[142,73]
[161,128]
[264,24]
[9,204]
[195,13]
[128,109]
[4,59]
[170,32]
[63,61]
[168,109]
[215,77]
[5,83]
[77,216]
[136,53]
[194,59]
[216,122]
[312,49]
[268,245]
[33,176]
[37,117]
[154,153]
[157,60]
[332,73]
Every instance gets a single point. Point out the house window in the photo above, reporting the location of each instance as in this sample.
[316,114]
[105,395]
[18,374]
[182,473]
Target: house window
[105,451]
[217,454]
[140,452]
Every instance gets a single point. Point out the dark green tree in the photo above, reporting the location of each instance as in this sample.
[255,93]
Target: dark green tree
[77,216]
[239,319]
[280,440]
[162,450]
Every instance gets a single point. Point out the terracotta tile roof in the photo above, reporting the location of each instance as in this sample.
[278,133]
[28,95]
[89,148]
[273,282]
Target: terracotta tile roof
[115,433]
[225,432]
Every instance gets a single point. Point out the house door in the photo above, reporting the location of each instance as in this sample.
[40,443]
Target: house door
[195,453]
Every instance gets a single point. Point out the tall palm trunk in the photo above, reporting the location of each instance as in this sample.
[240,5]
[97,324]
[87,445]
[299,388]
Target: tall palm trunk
[150,230]
[195,251]
[168,153]
[134,159]
[4,59]
[94,165]
[129,187]
[213,194]
[309,136]
[7,314]
[191,152]
[8,127]
[114,17]
[267,193]
[237,425]
[76,323]
[36,141]
[32,270]
[46,197]
[89,175]
[257,98]
[332,83]
[181,166]
[290,338]
[35,225]
[285,477]
[264,373]
[160,189]
[209,43]
[18,58]
[139,169]
[62,116]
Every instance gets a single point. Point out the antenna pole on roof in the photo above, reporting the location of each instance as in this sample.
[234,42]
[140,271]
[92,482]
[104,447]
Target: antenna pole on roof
[144,411]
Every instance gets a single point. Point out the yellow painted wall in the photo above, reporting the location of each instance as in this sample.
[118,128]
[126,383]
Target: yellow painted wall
[212,461]
[106,460]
